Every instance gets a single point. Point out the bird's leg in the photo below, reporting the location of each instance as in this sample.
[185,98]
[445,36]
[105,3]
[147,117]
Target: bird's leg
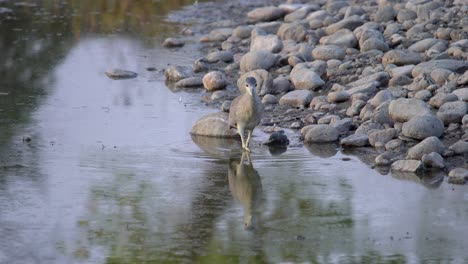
[249,135]
[240,130]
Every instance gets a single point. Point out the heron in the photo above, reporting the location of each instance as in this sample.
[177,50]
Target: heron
[246,112]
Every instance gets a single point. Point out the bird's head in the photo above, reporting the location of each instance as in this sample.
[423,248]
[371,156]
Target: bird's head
[251,85]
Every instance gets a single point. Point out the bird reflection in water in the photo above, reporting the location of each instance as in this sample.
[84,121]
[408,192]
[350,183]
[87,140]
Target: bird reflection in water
[246,186]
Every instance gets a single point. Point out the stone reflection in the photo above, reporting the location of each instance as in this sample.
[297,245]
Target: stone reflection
[323,150]
[246,187]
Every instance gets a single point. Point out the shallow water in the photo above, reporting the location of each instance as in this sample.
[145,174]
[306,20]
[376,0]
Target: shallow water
[111,174]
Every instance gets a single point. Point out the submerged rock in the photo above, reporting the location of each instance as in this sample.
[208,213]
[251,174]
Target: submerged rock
[173,43]
[458,176]
[407,166]
[277,138]
[190,82]
[214,125]
[176,73]
[121,74]
[355,140]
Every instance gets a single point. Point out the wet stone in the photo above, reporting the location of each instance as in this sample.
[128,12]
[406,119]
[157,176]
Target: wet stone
[121,74]
[173,43]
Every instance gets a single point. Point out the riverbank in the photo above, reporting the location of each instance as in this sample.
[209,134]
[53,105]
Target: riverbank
[387,79]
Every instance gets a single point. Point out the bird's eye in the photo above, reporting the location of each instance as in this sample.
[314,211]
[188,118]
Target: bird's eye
[246,85]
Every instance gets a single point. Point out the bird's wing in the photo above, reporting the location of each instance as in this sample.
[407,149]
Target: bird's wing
[233,112]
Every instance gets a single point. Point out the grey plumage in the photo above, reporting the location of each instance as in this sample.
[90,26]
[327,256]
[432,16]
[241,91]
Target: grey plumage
[246,112]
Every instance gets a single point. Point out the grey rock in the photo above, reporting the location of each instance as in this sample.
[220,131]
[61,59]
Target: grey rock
[223,55]
[242,32]
[349,23]
[433,160]
[407,166]
[318,15]
[303,78]
[424,45]
[269,27]
[318,101]
[367,126]
[406,15]
[268,13]
[385,158]
[365,88]
[402,70]
[355,140]
[354,10]
[401,57]
[264,81]
[173,43]
[378,138]
[423,126]
[190,82]
[218,95]
[374,44]
[399,80]
[381,97]
[367,113]
[269,99]
[355,107]
[260,59]
[176,73]
[403,109]
[277,138]
[458,176]
[328,52]
[452,112]
[381,77]
[271,43]
[395,145]
[280,85]
[342,125]
[460,147]
[338,97]
[463,79]
[423,95]
[218,34]
[381,114]
[321,134]
[297,98]
[293,31]
[462,94]
[121,74]
[440,76]
[441,98]
[428,145]
[421,82]
[300,13]
[214,80]
[384,14]
[344,38]
[449,64]
[214,125]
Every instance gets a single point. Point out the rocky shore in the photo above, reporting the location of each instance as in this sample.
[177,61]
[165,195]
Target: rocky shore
[387,76]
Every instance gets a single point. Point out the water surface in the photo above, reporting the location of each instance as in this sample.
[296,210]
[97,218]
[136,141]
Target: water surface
[111,174]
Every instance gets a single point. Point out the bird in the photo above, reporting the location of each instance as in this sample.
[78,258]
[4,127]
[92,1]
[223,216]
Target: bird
[246,187]
[246,112]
